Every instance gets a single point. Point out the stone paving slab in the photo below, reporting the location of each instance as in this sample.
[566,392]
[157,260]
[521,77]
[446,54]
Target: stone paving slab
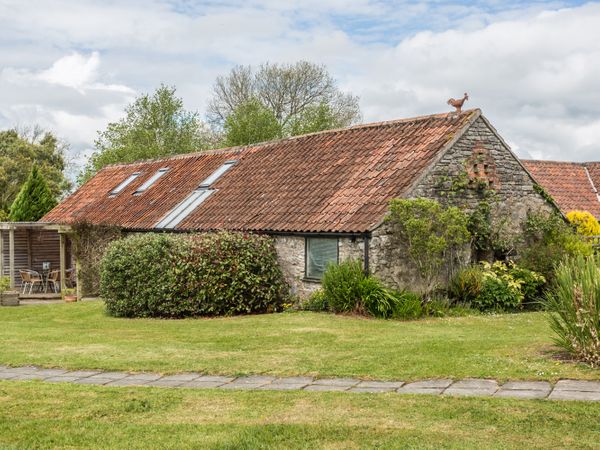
[380,384]
[574,395]
[522,393]
[342,382]
[527,385]
[181,377]
[373,390]
[202,384]
[294,380]
[325,387]
[428,384]
[563,390]
[577,385]
[283,386]
[420,390]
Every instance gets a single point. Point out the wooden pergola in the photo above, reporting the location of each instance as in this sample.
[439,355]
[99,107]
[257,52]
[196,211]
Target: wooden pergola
[29,244]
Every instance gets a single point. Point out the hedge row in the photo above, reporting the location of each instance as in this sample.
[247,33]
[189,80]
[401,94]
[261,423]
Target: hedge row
[175,276]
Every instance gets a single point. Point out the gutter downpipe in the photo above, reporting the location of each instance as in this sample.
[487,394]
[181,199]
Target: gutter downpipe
[366,252]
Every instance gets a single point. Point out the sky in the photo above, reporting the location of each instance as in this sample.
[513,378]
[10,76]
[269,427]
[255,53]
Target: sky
[533,67]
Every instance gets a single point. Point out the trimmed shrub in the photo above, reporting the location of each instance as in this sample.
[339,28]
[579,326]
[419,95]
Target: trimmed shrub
[585,222]
[574,306]
[199,275]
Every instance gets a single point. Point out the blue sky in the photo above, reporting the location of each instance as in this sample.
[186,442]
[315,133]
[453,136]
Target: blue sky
[532,67]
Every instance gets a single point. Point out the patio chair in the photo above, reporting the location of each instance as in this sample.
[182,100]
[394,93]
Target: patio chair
[33,279]
[25,279]
[54,280]
[70,278]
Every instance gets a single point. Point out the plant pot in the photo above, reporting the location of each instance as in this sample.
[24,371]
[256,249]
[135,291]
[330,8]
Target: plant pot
[70,298]
[9,298]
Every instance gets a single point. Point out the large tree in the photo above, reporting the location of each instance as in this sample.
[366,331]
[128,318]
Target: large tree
[154,126]
[34,199]
[303,97]
[20,150]
[250,122]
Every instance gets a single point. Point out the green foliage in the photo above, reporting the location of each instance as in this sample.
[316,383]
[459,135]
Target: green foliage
[377,300]
[432,235]
[19,152]
[199,275]
[249,123]
[34,200]
[549,240]
[409,306]
[342,286]
[303,97]
[496,287]
[574,306]
[317,302]
[466,285]
[154,126]
[4,283]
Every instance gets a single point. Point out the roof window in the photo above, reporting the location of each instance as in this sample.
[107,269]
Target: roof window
[217,174]
[125,183]
[150,181]
[192,201]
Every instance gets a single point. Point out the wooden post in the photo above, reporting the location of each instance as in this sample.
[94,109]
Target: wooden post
[63,269]
[29,252]
[11,256]
[77,269]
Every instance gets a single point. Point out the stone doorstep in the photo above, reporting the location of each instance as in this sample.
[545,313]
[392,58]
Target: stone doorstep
[522,393]
[577,385]
[342,382]
[574,395]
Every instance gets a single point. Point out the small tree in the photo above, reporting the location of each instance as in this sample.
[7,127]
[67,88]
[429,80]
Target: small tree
[34,200]
[432,235]
[249,123]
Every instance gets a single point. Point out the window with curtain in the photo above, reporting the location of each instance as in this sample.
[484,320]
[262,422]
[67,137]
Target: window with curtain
[319,253]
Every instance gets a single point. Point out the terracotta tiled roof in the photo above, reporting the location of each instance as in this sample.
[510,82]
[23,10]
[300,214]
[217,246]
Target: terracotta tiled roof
[332,181]
[570,184]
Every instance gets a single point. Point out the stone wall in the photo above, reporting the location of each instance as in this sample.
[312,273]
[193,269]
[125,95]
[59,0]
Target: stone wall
[481,161]
[291,255]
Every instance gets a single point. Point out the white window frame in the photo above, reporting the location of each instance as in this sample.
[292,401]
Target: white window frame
[125,183]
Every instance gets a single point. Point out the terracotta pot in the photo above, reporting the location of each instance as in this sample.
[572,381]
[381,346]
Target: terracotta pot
[70,298]
[9,298]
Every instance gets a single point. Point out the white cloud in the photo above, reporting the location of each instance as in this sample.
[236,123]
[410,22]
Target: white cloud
[73,65]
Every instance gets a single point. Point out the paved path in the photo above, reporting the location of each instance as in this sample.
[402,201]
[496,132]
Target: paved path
[562,390]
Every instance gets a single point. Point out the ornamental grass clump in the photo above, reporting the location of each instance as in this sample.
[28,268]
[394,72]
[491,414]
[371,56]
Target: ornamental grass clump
[574,308]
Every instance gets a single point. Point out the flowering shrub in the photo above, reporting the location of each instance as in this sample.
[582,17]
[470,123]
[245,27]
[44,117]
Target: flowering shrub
[499,286]
[586,223]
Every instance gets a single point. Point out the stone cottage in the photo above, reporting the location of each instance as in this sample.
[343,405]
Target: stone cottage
[321,196]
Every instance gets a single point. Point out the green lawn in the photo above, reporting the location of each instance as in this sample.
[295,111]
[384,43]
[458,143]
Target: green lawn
[37,415]
[76,336]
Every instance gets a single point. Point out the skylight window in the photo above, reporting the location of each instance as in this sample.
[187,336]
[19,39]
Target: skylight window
[125,183]
[217,174]
[192,201]
[150,181]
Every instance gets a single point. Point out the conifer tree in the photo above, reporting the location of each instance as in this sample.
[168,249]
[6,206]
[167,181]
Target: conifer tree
[34,199]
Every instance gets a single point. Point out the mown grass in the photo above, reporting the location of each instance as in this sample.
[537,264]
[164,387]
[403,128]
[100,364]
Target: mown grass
[81,336]
[38,415]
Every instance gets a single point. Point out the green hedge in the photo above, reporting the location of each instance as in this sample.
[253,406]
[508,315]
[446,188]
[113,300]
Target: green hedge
[160,275]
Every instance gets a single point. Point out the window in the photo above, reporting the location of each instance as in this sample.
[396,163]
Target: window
[192,201]
[183,209]
[217,174]
[125,183]
[150,181]
[319,253]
